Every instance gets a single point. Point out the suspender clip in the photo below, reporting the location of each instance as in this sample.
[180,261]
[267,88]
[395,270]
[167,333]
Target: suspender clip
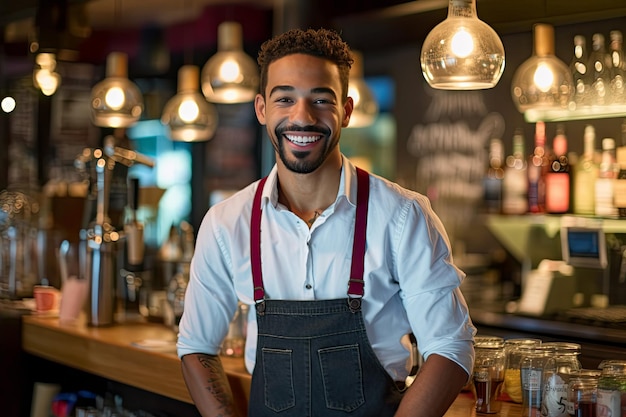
[260,307]
[354,304]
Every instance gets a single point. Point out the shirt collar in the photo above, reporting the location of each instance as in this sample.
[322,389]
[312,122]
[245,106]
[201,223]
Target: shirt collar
[346,192]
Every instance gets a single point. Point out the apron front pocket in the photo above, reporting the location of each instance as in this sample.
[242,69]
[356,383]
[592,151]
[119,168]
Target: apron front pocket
[342,375]
[278,371]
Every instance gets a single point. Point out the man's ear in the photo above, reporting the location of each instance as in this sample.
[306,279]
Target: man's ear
[348,107]
[259,108]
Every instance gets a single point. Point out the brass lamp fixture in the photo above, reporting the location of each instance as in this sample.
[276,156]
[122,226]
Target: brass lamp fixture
[230,76]
[543,81]
[365,104]
[188,115]
[116,101]
[462,52]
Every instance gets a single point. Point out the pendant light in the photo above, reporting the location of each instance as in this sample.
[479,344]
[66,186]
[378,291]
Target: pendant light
[45,76]
[365,105]
[543,81]
[462,52]
[116,101]
[188,115]
[230,76]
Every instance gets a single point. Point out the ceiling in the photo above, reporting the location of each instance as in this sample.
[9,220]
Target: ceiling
[18,17]
[365,24]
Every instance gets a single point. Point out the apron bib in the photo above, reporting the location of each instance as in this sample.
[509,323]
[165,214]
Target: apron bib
[313,358]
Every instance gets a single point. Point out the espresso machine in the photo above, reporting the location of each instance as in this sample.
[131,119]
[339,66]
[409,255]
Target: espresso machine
[111,286]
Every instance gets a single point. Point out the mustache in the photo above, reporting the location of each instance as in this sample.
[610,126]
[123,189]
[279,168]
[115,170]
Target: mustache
[311,128]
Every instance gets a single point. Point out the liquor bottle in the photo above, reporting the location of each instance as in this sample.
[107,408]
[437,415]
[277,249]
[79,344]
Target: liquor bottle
[558,176]
[537,168]
[607,173]
[493,178]
[580,72]
[585,175]
[619,189]
[599,63]
[618,68]
[515,181]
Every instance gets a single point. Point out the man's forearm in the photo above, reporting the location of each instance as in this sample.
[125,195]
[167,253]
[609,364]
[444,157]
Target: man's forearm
[208,385]
[435,388]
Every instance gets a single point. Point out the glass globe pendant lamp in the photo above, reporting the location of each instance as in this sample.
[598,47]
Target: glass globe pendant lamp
[230,76]
[44,75]
[543,81]
[365,104]
[462,52]
[116,101]
[188,115]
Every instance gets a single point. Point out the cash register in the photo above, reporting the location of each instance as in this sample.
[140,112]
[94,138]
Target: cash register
[586,248]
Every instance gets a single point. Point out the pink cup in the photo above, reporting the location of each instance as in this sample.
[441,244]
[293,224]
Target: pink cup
[74,294]
[47,299]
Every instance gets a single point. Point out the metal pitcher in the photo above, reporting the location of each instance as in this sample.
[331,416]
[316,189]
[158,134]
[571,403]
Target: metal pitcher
[102,267]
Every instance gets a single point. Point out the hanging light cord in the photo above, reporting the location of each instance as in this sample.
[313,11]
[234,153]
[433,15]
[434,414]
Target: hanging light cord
[188,56]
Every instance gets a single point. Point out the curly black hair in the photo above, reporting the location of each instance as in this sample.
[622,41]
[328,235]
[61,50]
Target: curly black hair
[323,43]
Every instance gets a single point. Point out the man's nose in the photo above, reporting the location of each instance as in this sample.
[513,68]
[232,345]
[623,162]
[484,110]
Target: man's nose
[302,114]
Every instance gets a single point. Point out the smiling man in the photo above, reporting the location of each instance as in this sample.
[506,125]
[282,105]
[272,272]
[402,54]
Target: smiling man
[339,264]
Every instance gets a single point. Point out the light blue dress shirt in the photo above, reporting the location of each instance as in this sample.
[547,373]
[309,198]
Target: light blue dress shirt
[411,283]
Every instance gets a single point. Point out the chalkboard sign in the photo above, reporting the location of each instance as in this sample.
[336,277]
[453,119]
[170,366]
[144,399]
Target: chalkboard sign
[450,145]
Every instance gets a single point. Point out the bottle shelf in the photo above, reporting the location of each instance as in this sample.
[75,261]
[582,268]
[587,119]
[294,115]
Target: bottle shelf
[563,115]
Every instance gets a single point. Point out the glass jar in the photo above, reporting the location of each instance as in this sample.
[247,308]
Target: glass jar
[513,350]
[478,340]
[612,388]
[556,374]
[582,393]
[531,373]
[488,374]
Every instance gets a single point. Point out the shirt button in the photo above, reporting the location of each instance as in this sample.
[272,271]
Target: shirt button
[308,286]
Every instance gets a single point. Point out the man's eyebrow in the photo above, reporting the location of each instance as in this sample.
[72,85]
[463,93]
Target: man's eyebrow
[281,88]
[317,90]
[324,90]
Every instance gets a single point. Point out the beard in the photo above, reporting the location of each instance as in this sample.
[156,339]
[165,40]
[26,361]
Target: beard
[301,162]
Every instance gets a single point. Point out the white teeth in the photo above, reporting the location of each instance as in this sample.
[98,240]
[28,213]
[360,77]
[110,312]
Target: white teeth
[302,140]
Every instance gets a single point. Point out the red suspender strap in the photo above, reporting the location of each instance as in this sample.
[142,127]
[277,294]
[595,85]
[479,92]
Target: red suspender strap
[356,283]
[255,243]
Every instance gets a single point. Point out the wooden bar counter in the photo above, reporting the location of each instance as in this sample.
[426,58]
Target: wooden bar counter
[114,353]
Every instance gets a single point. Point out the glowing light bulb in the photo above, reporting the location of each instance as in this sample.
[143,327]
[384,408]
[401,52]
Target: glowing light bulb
[114,98]
[230,71]
[47,81]
[188,111]
[462,43]
[543,78]
[8,104]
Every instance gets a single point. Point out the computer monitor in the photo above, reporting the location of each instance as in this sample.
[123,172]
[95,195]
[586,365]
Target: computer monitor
[584,247]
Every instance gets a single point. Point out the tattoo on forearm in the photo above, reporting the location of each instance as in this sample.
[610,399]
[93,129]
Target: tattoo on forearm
[217,384]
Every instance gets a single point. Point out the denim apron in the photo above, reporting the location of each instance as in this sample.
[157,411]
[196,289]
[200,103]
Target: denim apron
[313,358]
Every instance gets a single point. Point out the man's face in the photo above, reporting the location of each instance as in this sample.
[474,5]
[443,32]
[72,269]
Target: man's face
[303,111]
